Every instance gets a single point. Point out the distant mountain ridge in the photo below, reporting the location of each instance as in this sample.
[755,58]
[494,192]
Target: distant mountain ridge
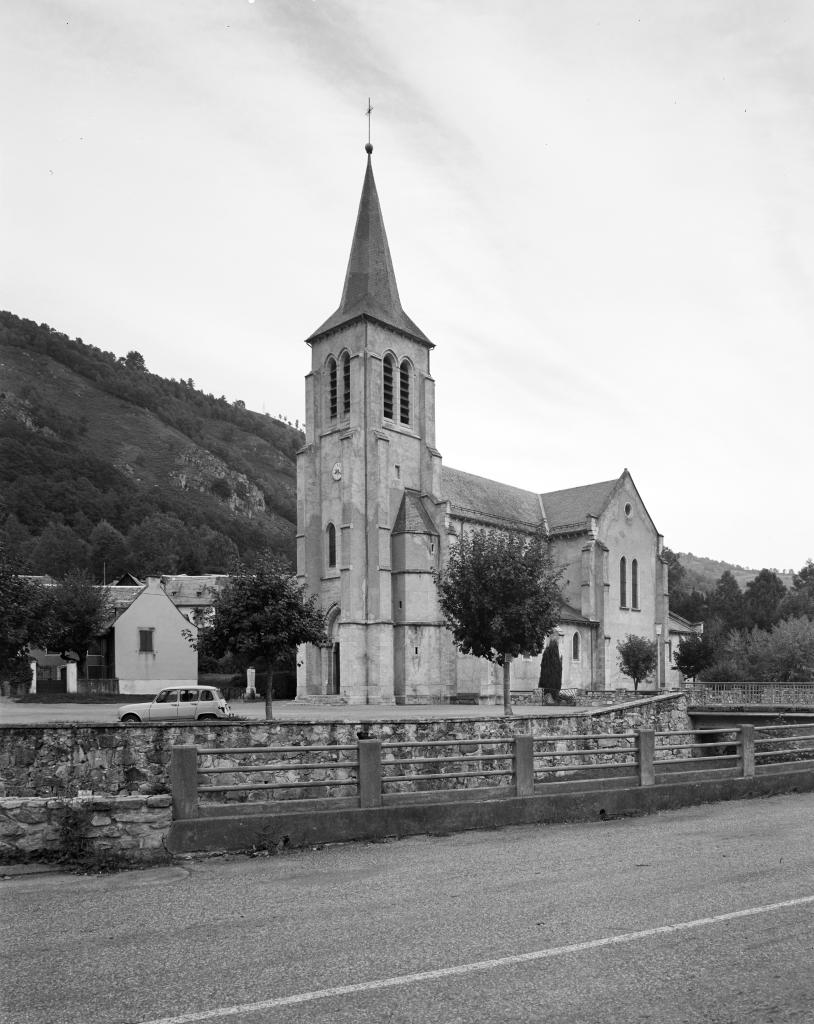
[703,573]
[87,436]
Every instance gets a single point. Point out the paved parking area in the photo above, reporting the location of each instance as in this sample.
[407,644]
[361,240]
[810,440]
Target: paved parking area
[14,712]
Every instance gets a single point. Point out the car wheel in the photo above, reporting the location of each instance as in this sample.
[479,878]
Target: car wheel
[131,718]
[207,718]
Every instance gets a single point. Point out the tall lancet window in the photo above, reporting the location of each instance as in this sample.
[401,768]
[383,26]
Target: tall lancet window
[623,582]
[634,584]
[332,391]
[388,387]
[345,362]
[404,393]
[331,531]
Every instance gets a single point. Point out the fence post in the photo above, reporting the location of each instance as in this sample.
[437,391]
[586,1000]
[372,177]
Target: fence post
[524,765]
[184,781]
[370,773]
[747,751]
[646,748]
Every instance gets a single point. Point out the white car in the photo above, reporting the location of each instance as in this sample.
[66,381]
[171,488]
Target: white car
[180,704]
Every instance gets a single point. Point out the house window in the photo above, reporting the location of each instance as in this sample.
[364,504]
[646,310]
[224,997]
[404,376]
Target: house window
[623,582]
[332,394]
[145,641]
[404,393]
[575,647]
[388,387]
[331,531]
[634,583]
[346,384]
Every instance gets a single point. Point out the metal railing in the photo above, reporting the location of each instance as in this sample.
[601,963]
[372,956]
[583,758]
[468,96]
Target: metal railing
[372,773]
[783,694]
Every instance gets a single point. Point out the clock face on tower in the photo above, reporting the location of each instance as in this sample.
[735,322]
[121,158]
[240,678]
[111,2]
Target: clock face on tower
[336,472]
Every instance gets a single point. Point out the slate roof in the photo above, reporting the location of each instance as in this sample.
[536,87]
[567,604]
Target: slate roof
[413,517]
[571,506]
[370,283]
[476,497]
[193,590]
[568,613]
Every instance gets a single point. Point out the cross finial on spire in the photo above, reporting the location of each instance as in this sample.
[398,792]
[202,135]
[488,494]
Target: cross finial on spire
[368,112]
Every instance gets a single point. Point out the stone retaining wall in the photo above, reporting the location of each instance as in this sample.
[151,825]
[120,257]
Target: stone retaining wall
[112,760]
[94,830]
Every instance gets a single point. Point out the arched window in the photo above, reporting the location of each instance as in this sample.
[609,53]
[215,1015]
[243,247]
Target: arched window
[404,393]
[634,584]
[332,394]
[388,387]
[623,582]
[345,384]
[575,647]
[331,532]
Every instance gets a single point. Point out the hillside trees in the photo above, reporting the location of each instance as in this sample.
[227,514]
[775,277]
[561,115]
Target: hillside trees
[500,597]
[762,599]
[799,601]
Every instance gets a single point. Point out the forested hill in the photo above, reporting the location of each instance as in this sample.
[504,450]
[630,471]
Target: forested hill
[108,467]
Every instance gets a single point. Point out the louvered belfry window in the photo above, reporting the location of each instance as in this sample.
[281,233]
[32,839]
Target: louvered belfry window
[388,387]
[404,393]
[332,396]
[634,584]
[623,582]
[331,546]
[346,384]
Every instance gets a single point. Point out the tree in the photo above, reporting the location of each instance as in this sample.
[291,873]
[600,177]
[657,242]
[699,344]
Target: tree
[762,599]
[21,616]
[500,597]
[78,612]
[59,551]
[726,603]
[109,553]
[799,601]
[135,361]
[637,658]
[551,670]
[156,544]
[262,612]
[694,654]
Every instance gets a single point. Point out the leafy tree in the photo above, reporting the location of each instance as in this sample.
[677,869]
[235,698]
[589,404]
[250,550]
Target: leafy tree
[262,612]
[135,361]
[500,597]
[109,552]
[78,612]
[21,616]
[762,599]
[59,551]
[726,603]
[799,601]
[786,654]
[157,544]
[695,653]
[551,670]
[637,658]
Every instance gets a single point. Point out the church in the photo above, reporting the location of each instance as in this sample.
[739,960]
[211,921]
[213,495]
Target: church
[377,511]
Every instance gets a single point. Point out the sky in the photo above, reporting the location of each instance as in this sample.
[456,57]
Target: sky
[601,212]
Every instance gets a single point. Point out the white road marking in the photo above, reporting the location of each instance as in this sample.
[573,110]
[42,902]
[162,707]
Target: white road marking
[480,965]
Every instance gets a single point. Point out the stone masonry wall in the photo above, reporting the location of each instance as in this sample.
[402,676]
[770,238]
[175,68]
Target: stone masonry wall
[129,828]
[116,760]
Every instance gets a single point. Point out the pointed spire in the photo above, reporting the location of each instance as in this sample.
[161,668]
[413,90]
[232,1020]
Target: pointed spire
[370,283]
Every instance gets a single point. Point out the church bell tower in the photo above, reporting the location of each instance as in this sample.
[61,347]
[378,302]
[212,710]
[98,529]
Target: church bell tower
[368,470]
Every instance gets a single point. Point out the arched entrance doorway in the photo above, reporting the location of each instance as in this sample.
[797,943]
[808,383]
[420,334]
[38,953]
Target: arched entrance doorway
[331,654]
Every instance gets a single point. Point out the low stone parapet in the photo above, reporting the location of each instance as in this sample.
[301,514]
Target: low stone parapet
[85,830]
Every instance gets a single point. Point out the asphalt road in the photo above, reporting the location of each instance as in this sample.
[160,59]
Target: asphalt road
[703,916]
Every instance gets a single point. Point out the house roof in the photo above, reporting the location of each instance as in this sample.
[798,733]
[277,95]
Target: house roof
[573,505]
[370,289]
[678,624]
[568,613]
[475,497]
[193,590]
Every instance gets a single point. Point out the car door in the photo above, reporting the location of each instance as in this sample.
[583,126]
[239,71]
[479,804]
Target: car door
[164,707]
[188,705]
